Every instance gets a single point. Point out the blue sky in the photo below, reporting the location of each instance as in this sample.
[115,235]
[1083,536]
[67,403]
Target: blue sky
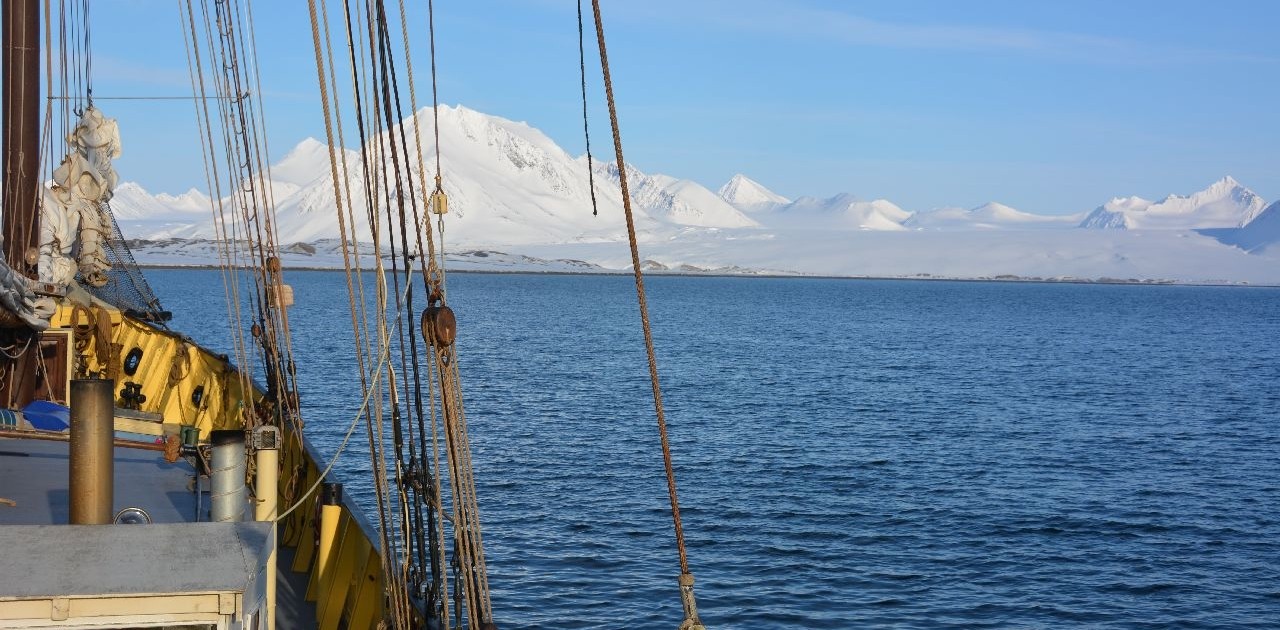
[1051,107]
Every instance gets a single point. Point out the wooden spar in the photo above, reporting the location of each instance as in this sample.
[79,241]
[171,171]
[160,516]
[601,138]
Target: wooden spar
[21,167]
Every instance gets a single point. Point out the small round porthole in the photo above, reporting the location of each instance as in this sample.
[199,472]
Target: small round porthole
[132,516]
[132,360]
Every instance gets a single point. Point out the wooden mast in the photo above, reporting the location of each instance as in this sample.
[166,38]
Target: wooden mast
[21,168]
[21,131]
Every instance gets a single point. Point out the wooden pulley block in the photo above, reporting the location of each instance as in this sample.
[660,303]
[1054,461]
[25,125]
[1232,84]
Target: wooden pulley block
[439,326]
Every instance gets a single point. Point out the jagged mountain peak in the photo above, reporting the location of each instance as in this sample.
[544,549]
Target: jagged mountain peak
[1223,184]
[508,184]
[485,128]
[1226,203]
[306,161]
[1224,187]
[678,201]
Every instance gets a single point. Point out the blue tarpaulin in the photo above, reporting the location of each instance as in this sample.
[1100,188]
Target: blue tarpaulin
[47,416]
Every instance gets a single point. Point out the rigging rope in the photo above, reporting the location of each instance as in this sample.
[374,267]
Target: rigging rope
[396,201]
[357,322]
[227,252]
[375,186]
[431,541]
[383,358]
[691,619]
[435,99]
[234,149]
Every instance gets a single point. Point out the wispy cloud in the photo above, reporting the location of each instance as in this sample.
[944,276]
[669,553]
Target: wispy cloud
[116,71]
[795,19]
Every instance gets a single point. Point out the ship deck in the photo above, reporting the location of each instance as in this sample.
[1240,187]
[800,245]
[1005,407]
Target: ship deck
[34,475]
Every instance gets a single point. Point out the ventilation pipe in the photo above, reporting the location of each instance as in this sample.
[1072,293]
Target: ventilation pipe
[91,487]
[226,476]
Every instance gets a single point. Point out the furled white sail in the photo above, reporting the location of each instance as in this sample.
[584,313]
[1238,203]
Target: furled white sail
[74,210]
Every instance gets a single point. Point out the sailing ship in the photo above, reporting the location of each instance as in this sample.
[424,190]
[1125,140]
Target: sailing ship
[148,481]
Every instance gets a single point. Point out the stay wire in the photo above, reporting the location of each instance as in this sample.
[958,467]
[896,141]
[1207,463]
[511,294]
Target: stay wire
[387,522]
[586,128]
[375,22]
[435,98]
[88,58]
[204,119]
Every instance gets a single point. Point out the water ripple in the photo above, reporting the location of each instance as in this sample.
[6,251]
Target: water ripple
[885,454]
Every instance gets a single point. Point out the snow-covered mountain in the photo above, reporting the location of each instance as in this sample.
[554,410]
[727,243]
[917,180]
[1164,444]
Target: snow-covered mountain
[1261,235]
[750,196]
[842,212]
[516,197]
[1224,204]
[677,201]
[988,216]
[131,201]
[507,182]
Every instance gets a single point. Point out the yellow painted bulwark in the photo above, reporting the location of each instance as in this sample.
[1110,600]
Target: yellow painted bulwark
[172,367]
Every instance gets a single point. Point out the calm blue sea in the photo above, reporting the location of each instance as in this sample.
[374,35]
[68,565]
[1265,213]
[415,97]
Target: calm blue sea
[850,453]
